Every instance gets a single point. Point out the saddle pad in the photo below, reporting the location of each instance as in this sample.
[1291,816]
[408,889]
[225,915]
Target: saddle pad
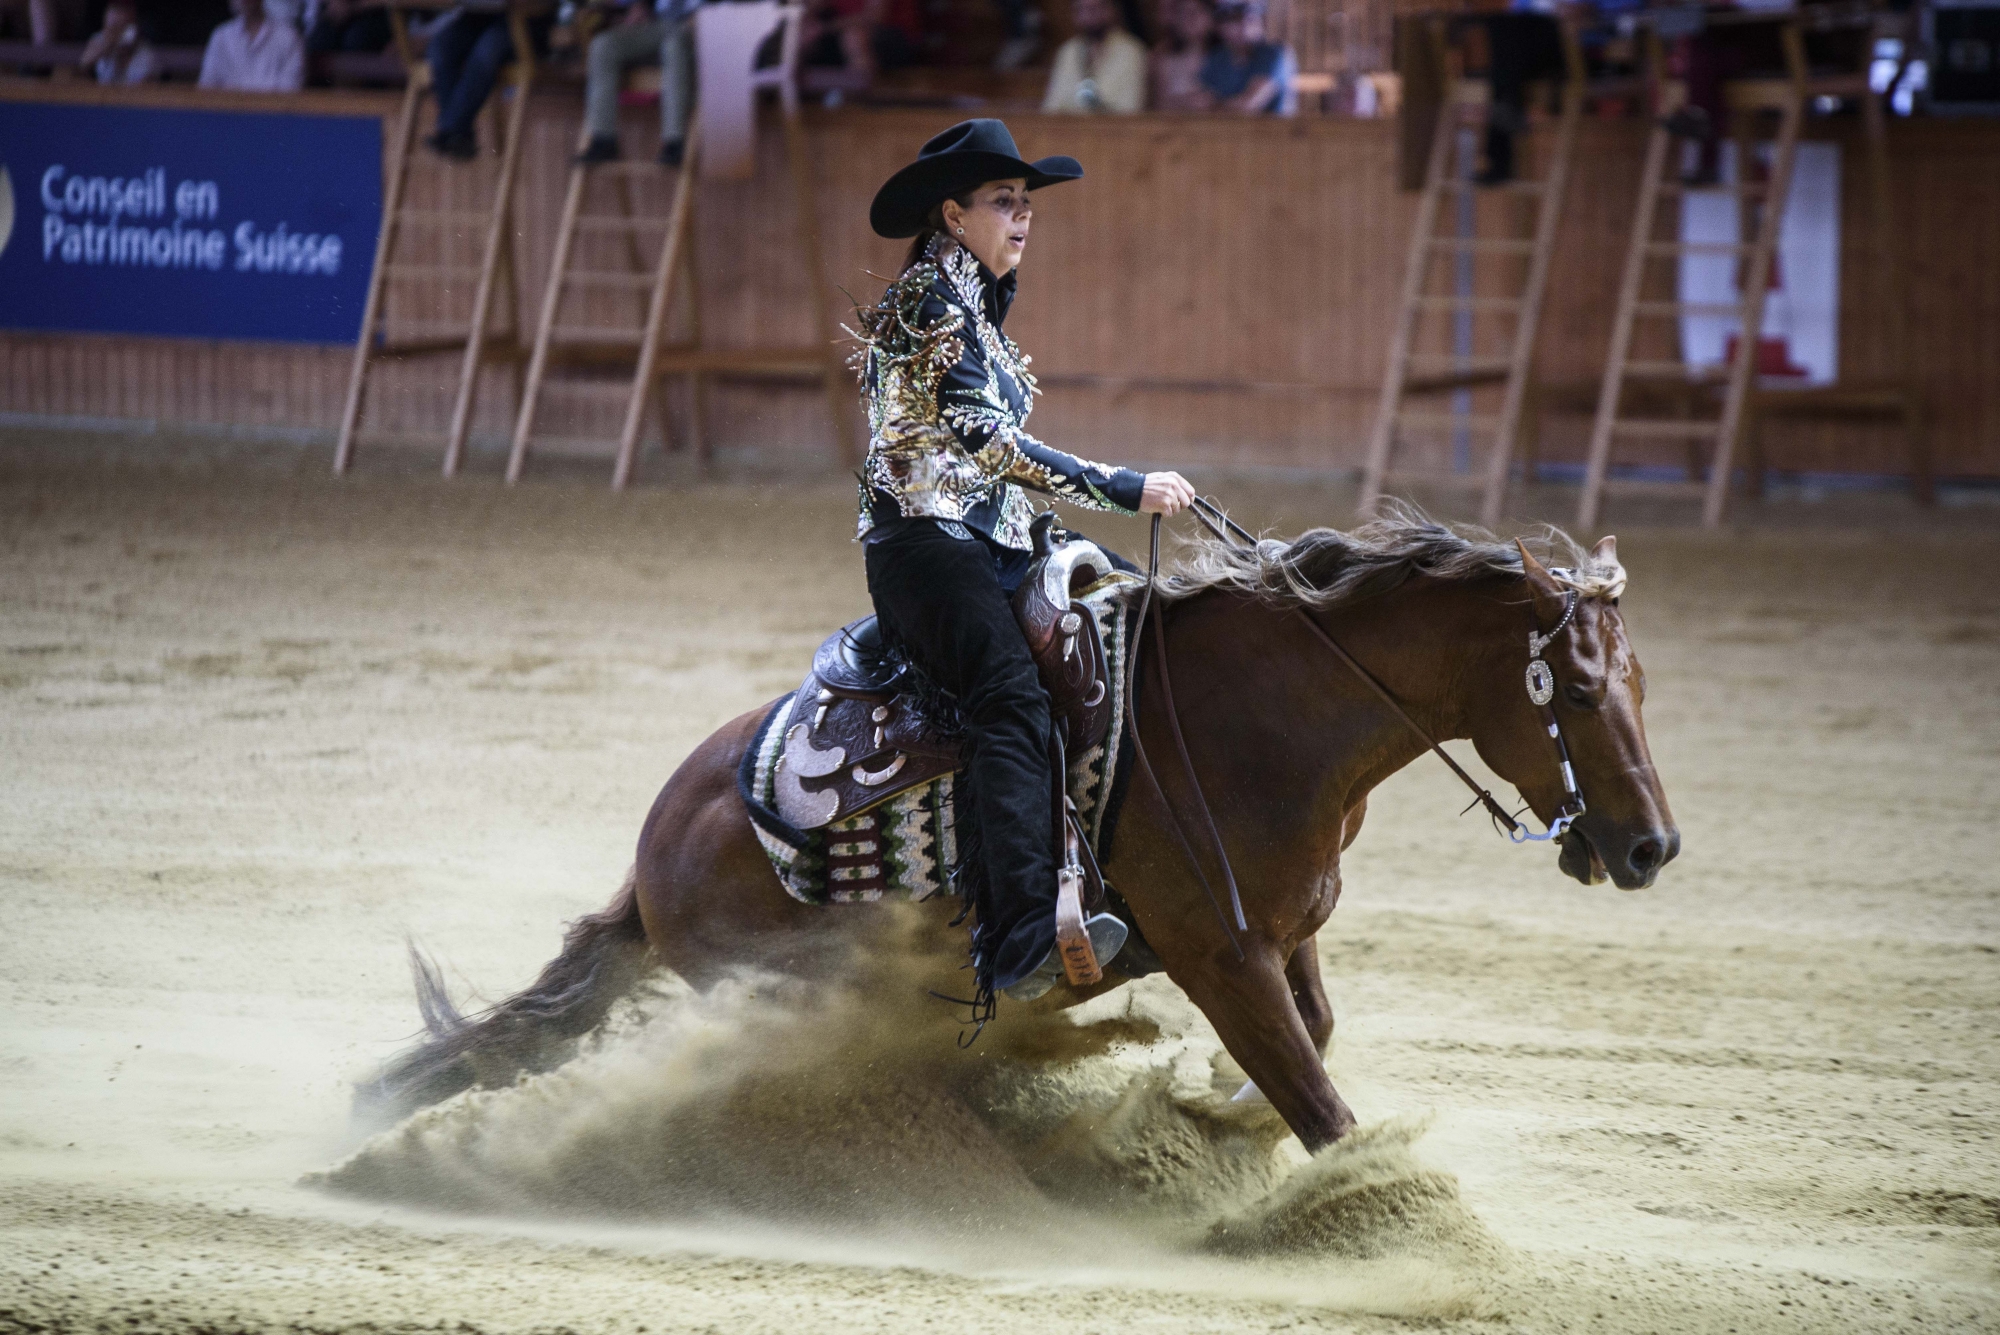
[905,847]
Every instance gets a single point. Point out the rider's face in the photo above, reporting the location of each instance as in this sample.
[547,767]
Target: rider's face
[995,224]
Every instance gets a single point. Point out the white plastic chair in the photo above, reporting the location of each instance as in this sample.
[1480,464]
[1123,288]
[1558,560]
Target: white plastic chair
[727,39]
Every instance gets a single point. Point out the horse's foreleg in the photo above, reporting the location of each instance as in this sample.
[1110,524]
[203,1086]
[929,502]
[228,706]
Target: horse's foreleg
[1253,1009]
[1309,995]
[1302,975]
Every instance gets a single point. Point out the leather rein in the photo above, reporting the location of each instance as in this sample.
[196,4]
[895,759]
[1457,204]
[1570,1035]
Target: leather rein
[1541,689]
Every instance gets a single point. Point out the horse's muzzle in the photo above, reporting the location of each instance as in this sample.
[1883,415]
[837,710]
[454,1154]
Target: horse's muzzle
[1629,861]
[1646,855]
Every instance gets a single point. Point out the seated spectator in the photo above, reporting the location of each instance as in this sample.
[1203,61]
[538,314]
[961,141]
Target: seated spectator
[667,31]
[117,53]
[1521,46]
[1102,68]
[467,53]
[349,25]
[1244,73]
[1713,56]
[1177,61]
[254,53]
[866,36]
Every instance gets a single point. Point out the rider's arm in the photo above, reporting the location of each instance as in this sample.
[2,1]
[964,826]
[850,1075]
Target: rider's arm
[970,404]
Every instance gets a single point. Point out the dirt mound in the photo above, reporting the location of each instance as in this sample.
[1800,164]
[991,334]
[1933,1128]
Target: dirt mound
[1365,1198]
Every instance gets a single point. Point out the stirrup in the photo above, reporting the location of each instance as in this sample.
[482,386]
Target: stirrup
[1107,935]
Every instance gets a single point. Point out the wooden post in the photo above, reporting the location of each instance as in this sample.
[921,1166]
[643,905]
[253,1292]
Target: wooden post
[1529,318]
[1415,271]
[656,315]
[1892,296]
[1629,283]
[1777,190]
[385,242]
[498,225]
[545,321]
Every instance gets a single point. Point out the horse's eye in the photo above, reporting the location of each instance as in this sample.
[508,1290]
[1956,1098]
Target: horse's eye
[1579,696]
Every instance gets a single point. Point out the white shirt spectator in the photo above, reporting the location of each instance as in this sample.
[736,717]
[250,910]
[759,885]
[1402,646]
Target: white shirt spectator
[270,60]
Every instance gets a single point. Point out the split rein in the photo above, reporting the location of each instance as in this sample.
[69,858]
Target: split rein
[1541,691]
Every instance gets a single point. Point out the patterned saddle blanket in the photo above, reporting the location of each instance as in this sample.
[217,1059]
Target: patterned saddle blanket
[833,840]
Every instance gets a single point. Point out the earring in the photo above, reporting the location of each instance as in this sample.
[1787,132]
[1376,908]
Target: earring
[961,231]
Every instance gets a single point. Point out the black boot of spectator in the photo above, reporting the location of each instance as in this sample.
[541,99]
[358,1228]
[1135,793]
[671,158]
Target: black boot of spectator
[671,152]
[1499,167]
[601,148]
[459,145]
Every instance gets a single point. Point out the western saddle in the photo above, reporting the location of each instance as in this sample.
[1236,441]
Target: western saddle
[863,727]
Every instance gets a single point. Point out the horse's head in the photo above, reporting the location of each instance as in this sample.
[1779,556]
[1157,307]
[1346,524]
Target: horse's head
[1626,832]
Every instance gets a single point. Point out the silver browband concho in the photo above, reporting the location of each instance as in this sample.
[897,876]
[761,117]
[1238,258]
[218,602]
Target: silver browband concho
[1541,682]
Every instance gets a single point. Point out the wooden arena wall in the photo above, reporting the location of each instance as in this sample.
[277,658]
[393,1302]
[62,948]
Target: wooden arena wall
[1215,292]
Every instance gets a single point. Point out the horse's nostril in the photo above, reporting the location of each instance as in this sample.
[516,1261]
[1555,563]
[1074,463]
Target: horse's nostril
[1646,855]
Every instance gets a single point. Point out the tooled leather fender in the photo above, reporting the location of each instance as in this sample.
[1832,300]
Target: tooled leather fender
[843,753]
[1062,634]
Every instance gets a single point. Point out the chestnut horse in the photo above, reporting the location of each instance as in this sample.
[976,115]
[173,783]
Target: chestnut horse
[1286,742]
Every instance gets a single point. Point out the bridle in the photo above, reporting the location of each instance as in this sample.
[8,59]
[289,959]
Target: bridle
[1541,691]
[1541,682]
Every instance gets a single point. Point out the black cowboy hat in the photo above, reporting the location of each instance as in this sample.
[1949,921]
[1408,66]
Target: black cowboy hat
[969,154]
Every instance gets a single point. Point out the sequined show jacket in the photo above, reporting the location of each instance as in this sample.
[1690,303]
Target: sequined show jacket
[948,395]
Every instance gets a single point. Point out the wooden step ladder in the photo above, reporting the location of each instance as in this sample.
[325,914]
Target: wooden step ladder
[491,332]
[1713,443]
[1411,373]
[1895,395]
[1763,205]
[638,356]
[625,350]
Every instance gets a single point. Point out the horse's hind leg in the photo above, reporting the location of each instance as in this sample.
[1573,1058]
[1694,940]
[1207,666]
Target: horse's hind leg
[707,895]
[1253,1011]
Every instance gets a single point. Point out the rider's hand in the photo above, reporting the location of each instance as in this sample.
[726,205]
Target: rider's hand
[1165,494]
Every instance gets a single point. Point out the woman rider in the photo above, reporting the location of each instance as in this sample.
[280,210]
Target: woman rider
[945,523]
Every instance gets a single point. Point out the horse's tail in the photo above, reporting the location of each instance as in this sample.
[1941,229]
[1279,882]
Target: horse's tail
[602,955]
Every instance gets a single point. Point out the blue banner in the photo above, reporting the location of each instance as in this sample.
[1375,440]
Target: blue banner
[197,224]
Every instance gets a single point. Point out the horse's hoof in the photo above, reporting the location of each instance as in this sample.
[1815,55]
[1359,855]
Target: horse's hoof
[1249,1094]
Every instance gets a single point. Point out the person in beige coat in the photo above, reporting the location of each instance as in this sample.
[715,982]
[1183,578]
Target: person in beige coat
[1101,69]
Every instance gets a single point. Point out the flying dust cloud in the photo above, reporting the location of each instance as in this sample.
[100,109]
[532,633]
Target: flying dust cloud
[1103,1135]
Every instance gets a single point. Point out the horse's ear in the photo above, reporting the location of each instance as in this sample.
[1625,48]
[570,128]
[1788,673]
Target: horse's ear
[1537,576]
[1606,550]
[1547,591]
